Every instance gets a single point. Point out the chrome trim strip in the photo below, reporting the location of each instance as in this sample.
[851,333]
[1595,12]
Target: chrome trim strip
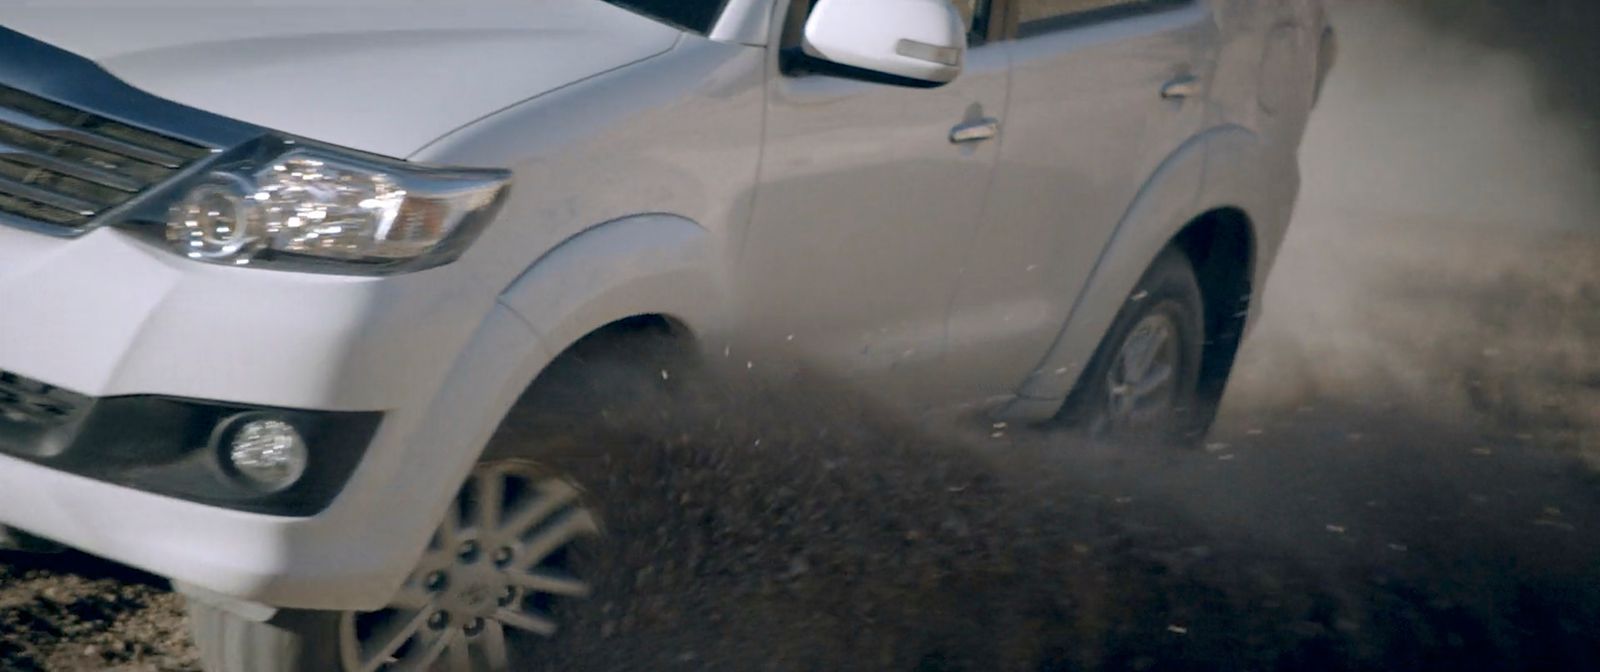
[923,51]
[67,78]
[81,171]
[50,198]
[50,129]
[37,68]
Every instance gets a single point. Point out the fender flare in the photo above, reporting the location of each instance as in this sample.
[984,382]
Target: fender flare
[655,263]
[643,264]
[1212,170]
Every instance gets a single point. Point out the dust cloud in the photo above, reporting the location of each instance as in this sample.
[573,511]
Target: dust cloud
[1393,485]
[1445,255]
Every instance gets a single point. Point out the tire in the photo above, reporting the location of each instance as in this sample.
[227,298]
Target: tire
[291,642]
[559,421]
[1168,299]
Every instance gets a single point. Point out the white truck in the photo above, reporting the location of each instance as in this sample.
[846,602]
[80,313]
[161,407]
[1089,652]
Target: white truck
[272,275]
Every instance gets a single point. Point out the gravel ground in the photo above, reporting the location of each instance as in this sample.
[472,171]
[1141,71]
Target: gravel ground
[1403,479]
[73,612]
[1328,538]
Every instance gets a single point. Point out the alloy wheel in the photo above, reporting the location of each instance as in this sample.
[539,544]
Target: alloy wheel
[497,564]
[1142,384]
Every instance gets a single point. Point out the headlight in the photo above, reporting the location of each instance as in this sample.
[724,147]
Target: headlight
[289,204]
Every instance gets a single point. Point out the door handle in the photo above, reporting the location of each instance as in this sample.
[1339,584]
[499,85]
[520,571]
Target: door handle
[1187,86]
[975,131]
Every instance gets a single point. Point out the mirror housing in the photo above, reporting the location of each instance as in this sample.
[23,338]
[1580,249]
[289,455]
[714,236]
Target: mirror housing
[921,40]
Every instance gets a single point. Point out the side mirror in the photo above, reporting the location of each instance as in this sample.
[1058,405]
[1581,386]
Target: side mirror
[922,40]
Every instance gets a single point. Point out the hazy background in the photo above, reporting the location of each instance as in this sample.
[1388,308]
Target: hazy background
[1444,254]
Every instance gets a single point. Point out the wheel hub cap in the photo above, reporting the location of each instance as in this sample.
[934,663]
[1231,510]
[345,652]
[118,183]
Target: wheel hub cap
[1142,383]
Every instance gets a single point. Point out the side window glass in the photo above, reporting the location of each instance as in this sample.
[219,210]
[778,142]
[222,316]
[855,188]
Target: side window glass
[1040,16]
[976,13]
[693,15]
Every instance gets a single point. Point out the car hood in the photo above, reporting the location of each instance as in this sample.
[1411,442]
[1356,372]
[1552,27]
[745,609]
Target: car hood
[385,77]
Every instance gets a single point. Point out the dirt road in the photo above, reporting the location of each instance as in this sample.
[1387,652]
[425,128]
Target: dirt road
[1404,477]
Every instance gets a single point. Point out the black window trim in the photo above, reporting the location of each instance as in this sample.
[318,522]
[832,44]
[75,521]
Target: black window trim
[716,15]
[1019,30]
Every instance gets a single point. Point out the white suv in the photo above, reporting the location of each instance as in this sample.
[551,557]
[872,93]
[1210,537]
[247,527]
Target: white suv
[272,277]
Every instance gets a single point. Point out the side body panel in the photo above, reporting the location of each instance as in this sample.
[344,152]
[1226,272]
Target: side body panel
[678,136]
[863,212]
[1258,101]
[1086,129]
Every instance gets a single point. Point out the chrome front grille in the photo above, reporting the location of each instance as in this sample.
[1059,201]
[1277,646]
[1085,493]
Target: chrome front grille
[30,402]
[61,167]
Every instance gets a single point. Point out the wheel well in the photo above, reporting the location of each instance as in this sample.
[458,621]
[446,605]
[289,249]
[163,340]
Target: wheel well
[650,324]
[617,343]
[1220,246]
[611,341]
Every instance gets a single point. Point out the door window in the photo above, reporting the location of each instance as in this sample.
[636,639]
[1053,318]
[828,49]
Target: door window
[693,15]
[1038,16]
[976,13]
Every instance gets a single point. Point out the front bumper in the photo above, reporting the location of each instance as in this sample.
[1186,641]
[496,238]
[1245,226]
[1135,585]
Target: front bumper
[109,316]
[176,447]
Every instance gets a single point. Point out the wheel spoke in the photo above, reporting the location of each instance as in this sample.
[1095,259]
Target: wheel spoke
[493,644]
[1118,375]
[392,634]
[553,494]
[458,654]
[450,527]
[551,583]
[490,526]
[1154,380]
[417,661]
[1142,352]
[490,498]
[556,535]
[538,625]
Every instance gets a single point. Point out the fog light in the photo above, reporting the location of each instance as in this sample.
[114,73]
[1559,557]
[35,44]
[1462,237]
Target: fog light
[268,453]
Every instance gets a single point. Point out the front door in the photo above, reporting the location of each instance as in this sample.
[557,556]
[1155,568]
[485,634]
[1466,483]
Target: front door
[865,206]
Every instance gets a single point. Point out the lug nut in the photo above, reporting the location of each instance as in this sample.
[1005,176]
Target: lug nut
[503,556]
[473,627]
[469,551]
[508,596]
[435,582]
[438,620]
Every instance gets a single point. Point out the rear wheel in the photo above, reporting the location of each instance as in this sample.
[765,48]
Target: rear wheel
[1143,380]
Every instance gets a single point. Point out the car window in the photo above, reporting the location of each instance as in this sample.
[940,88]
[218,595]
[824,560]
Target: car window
[1036,16]
[976,14]
[692,15]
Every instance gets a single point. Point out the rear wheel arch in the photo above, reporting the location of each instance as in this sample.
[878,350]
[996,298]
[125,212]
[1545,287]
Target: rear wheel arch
[1227,176]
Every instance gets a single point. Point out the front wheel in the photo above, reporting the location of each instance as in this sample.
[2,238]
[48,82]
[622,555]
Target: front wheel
[508,559]
[1143,380]
[498,563]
